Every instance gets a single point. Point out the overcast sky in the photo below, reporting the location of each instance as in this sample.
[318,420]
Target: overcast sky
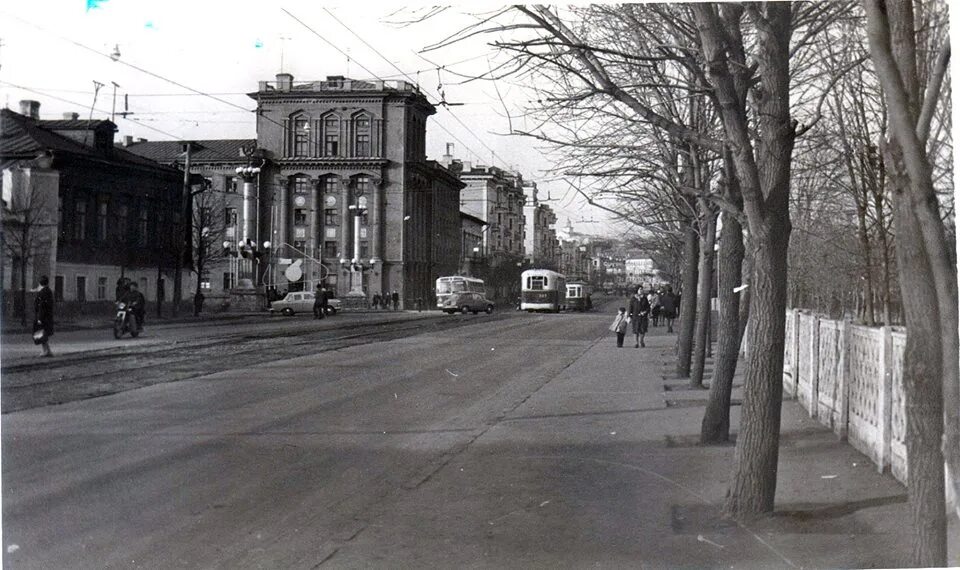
[58,48]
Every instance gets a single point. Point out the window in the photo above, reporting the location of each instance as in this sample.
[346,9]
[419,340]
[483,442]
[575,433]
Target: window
[331,137]
[537,282]
[227,280]
[230,184]
[362,130]
[330,185]
[362,185]
[102,234]
[301,137]
[330,249]
[301,185]
[300,245]
[330,217]
[299,217]
[101,288]
[230,216]
[81,288]
[142,224]
[364,250]
[364,218]
[122,228]
[58,288]
[80,220]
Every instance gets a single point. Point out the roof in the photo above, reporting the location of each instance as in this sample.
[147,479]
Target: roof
[217,150]
[473,218]
[75,124]
[24,138]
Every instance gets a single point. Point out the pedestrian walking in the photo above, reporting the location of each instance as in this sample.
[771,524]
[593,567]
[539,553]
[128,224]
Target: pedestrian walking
[639,316]
[395,297]
[619,326]
[376,301]
[197,303]
[654,299]
[668,307]
[318,302]
[43,316]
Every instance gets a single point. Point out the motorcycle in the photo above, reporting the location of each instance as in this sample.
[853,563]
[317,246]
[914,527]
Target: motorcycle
[125,321]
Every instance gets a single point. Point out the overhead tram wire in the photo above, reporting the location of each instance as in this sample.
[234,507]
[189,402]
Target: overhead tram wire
[334,46]
[438,68]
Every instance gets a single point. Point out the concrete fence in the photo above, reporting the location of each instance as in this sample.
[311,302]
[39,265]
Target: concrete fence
[850,378]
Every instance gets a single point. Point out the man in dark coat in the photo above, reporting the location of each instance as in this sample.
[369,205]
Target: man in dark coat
[668,307]
[395,297]
[43,314]
[137,303]
[319,302]
[638,316]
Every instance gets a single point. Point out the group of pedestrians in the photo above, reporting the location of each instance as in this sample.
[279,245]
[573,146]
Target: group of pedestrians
[644,305]
[386,300]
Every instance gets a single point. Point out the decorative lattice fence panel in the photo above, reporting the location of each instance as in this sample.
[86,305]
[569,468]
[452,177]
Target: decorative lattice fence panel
[790,355]
[831,376]
[868,387]
[898,418]
[807,363]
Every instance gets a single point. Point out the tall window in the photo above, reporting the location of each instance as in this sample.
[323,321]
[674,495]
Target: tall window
[330,185]
[329,249]
[230,217]
[230,184]
[362,133]
[142,222]
[330,217]
[301,185]
[299,217]
[101,288]
[123,213]
[102,234]
[227,280]
[364,250]
[301,137]
[331,136]
[80,220]
[362,185]
[81,287]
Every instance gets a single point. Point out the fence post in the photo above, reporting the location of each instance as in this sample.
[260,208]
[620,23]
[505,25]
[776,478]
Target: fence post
[842,379]
[814,352]
[885,403]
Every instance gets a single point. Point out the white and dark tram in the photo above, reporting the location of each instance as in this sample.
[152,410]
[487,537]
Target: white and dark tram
[542,290]
[578,296]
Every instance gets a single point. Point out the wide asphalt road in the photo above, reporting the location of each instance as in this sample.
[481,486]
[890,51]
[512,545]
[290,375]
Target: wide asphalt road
[296,443]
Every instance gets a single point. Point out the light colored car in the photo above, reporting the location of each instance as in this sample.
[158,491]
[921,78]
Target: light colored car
[467,302]
[302,302]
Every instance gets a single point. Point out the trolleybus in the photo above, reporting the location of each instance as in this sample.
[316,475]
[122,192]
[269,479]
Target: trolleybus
[448,286]
[578,296]
[542,290]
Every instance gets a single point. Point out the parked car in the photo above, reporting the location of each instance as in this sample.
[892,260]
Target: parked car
[302,302]
[467,302]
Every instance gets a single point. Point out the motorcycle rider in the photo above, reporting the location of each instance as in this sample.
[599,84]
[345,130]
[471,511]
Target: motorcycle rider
[134,299]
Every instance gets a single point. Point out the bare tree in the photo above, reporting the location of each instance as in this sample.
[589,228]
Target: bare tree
[926,269]
[208,228]
[27,235]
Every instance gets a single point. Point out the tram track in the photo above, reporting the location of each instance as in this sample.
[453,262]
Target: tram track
[97,375]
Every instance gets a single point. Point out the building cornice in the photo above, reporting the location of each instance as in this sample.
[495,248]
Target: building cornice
[333,162]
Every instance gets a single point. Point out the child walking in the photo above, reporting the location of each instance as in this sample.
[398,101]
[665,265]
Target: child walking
[619,326]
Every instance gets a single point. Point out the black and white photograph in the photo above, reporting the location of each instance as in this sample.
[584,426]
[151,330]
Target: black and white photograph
[301,285]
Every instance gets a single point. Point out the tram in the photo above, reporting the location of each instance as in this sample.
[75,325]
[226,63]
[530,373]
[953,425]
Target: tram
[578,296]
[542,290]
[447,286]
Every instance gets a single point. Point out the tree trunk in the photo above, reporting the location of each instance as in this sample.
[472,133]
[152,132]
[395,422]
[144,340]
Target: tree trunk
[715,427]
[755,467]
[708,237]
[688,300]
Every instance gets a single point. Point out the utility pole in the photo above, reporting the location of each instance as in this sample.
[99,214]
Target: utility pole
[181,233]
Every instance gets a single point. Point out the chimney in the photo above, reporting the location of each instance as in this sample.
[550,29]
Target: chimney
[284,81]
[448,157]
[127,140]
[141,139]
[71,116]
[30,109]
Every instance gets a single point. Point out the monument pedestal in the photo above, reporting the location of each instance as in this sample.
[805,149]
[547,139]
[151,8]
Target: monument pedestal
[246,298]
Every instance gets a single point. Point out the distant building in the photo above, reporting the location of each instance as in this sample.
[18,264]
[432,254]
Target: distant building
[540,240]
[471,243]
[94,211]
[642,271]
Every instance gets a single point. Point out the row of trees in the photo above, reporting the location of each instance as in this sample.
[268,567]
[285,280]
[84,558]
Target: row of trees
[749,121]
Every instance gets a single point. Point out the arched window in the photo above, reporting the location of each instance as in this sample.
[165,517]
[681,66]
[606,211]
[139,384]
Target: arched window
[361,130]
[331,136]
[301,136]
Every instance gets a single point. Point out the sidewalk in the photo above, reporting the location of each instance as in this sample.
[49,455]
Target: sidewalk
[601,467]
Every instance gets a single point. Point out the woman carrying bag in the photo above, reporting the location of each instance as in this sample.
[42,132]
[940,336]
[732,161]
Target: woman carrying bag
[43,316]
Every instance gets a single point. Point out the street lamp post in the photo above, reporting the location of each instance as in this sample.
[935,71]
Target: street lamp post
[356,262]
[249,174]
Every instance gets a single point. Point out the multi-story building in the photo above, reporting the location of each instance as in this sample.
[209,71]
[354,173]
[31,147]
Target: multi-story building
[640,271]
[84,211]
[540,239]
[471,243]
[344,194]
[495,196]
